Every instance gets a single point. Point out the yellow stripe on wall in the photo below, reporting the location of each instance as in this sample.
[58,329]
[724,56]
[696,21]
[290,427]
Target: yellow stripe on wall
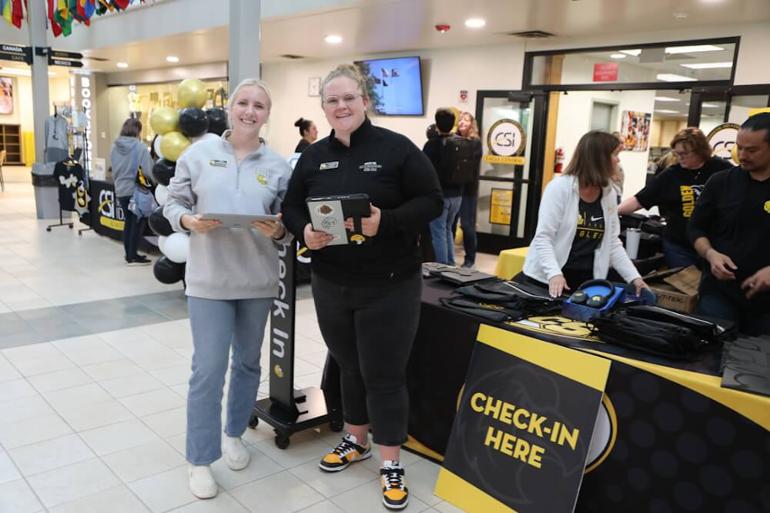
[454,489]
[590,370]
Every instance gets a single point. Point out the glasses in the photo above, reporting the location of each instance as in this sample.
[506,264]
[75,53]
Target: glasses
[683,154]
[335,101]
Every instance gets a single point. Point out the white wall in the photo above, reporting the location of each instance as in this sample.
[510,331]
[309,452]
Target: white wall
[444,74]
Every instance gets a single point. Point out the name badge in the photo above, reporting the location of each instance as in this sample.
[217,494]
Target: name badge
[329,165]
[218,163]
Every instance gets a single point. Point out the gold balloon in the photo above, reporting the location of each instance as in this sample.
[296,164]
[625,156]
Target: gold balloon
[191,93]
[457,113]
[734,154]
[164,120]
[172,145]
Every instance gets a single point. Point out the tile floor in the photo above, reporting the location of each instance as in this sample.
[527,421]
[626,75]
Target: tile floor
[92,407]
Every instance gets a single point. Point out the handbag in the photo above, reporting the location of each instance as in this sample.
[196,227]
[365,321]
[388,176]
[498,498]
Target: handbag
[142,202]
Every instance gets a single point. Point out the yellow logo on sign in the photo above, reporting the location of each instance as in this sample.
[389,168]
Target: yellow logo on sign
[278,371]
[767,207]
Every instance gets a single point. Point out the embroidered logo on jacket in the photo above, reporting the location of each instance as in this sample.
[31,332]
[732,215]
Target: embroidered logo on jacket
[218,163]
[262,179]
[370,167]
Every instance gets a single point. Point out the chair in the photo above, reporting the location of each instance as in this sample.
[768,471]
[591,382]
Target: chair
[2,161]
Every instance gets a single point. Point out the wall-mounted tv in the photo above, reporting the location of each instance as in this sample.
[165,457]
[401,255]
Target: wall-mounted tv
[395,85]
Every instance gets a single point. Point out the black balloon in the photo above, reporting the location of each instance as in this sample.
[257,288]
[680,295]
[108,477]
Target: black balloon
[193,122]
[217,120]
[163,170]
[159,224]
[166,271]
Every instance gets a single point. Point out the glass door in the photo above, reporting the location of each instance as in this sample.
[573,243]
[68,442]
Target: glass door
[511,126]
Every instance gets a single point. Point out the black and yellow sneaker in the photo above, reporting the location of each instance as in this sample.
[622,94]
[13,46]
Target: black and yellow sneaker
[347,451]
[395,495]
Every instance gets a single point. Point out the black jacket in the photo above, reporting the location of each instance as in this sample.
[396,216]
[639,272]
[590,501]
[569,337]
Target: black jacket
[399,180]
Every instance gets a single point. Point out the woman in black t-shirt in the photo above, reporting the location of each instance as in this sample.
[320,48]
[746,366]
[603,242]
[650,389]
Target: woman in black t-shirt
[675,190]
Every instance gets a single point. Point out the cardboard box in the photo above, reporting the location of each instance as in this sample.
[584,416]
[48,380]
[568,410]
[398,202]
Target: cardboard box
[678,291]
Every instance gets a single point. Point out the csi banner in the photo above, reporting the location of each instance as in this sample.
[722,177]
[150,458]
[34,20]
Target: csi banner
[520,439]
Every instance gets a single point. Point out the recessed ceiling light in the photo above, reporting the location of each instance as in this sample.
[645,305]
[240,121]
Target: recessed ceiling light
[708,65]
[475,22]
[333,39]
[122,64]
[710,105]
[666,99]
[172,58]
[680,15]
[672,77]
[618,56]
[693,49]
[634,53]
[666,111]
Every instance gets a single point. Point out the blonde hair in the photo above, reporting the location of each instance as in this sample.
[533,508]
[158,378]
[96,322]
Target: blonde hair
[347,71]
[473,131]
[248,82]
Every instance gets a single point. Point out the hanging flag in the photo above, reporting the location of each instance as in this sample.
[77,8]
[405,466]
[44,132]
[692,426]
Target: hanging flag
[7,10]
[55,27]
[16,13]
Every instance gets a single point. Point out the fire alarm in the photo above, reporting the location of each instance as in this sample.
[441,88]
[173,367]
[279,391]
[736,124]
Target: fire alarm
[442,27]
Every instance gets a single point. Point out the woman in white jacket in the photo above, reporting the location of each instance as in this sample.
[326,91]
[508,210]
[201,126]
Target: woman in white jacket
[577,237]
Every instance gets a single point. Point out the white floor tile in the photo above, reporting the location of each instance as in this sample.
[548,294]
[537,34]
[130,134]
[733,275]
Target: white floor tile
[16,389]
[144,460]
[152,402]
[119,436]
[222,503]
[37,359]
[173,375]
[131,385]
[17,410]
[114,500]
[16,497]
[304,447]
[87,350]
[323,507]
[368,497]
[77,396]
[445,507]
[81,479]
[8,471]
[32,430]
[112,369]
[168,423]
[60,380]
[421,479]
[50,454]
[7,371]
[94,415]
[261,497]
[331,484]
[259,467]
[165,491]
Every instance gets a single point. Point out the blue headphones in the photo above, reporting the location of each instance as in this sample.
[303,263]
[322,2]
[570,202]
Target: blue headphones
[594,300]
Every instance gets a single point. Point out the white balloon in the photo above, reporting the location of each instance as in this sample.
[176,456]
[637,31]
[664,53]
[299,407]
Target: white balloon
[161,194]
[156,147]
[176,247]
[162,243]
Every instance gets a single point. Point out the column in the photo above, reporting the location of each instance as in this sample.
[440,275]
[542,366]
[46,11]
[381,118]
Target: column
[245,34]
[38,37]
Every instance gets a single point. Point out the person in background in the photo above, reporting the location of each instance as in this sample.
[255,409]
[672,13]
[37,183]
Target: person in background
[730,229]
[367,296]
[667,160]
[468,129]
[128,155]
[675,191]
[577,235]
[231,275]
[309,133]
[441,227]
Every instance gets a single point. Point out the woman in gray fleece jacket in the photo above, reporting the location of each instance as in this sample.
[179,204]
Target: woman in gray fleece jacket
[232,275]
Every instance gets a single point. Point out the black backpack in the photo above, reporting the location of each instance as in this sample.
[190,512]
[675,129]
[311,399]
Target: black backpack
[459,160]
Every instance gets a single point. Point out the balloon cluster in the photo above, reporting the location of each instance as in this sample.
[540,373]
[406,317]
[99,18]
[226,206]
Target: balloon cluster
[176,131]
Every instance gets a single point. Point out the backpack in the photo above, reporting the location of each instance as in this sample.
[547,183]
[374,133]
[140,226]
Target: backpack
[459,160]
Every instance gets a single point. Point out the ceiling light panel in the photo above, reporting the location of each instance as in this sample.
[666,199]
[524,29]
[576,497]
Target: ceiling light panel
[672,77]
[708,65]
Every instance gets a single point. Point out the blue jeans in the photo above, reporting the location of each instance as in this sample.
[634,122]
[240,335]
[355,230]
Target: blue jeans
[468,223]
[133,229]
[441,231]
[678,255]
[216,325]
[726,301]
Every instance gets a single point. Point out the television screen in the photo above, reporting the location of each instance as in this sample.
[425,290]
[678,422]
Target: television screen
[395,85]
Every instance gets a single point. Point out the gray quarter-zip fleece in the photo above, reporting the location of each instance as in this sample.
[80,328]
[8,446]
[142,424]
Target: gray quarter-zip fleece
[228,263]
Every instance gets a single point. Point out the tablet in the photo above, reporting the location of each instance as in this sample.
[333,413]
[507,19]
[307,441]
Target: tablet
[239,220]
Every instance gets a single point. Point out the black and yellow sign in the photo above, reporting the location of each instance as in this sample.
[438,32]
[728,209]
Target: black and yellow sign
[500,204]
[520,439]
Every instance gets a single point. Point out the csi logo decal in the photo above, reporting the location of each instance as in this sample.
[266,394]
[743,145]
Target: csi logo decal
[722,141]
[506,138]
[278,371]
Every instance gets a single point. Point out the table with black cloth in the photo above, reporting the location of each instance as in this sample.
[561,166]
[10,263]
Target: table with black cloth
[105,216]
[676,441]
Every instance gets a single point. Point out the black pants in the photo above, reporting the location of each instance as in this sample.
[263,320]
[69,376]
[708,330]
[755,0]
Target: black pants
[370,332]
[132,229]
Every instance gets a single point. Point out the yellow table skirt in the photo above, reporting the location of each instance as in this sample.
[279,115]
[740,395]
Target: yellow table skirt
[510,262]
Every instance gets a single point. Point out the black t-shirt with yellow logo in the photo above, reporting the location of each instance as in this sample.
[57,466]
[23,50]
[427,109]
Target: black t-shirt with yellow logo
[674,192]
[589,234]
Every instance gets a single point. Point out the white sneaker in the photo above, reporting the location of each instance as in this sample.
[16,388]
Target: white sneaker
[202,483]
[236,455]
